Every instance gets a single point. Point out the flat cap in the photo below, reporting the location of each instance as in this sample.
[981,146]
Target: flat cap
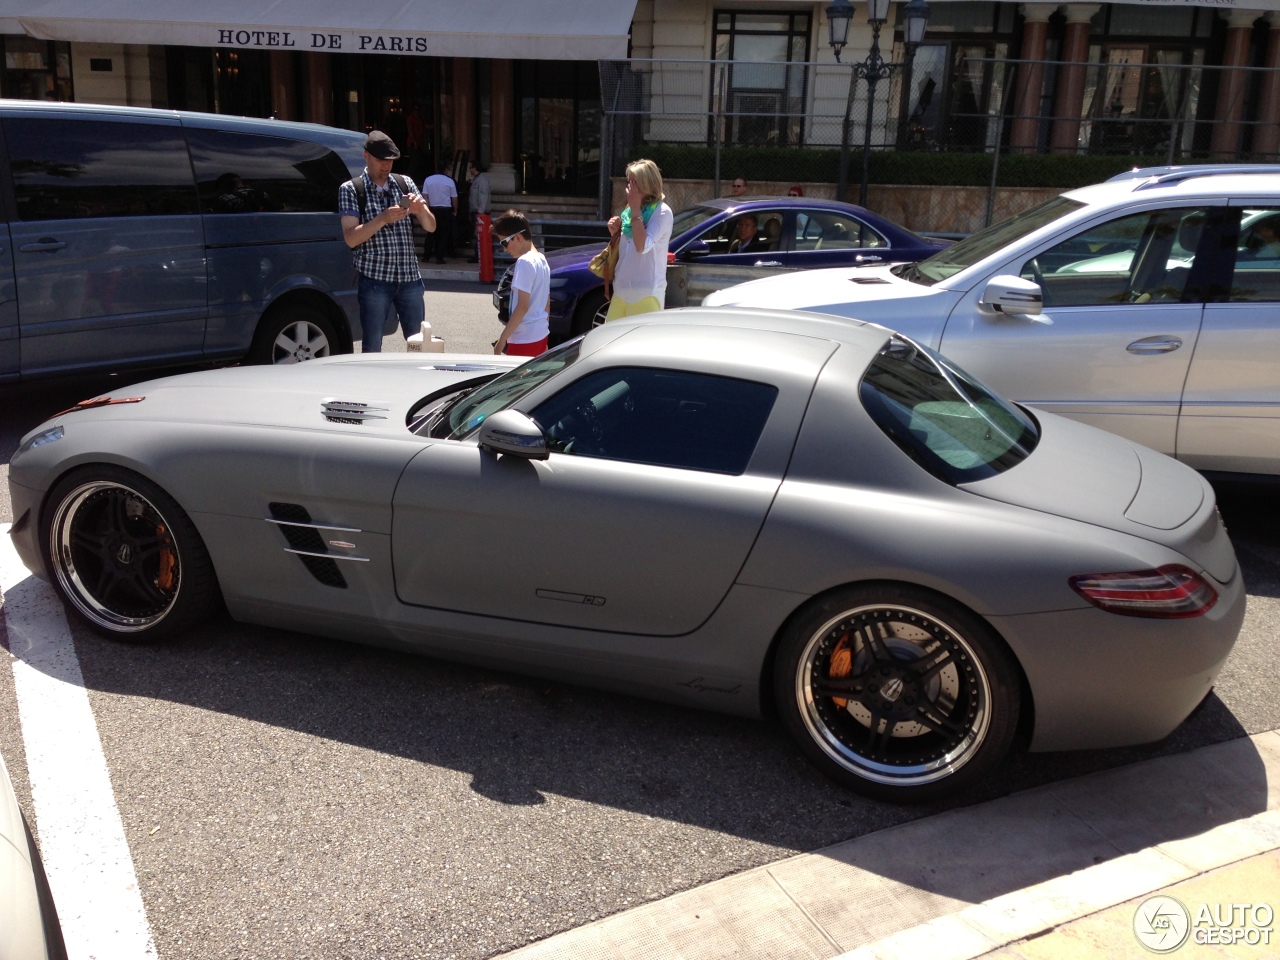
[379,145]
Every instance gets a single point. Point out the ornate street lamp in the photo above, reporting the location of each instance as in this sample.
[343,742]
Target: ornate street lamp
[873,70]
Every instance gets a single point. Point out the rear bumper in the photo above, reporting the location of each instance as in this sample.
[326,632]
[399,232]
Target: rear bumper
[1102,680]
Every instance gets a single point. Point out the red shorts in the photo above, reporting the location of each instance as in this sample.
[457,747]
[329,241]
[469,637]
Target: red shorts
[534,349]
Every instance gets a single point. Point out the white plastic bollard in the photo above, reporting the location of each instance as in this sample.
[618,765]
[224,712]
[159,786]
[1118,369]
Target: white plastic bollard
[424,342]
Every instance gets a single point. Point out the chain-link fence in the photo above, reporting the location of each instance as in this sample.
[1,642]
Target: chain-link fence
[954,144]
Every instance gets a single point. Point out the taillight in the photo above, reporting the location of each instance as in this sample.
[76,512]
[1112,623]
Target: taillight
[1173,592]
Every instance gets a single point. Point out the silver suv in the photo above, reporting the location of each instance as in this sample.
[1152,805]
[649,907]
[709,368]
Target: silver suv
[1148,305]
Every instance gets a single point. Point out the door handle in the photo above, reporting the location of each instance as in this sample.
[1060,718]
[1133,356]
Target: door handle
[768,263]
[862,257]
[43,245]
[1154,345]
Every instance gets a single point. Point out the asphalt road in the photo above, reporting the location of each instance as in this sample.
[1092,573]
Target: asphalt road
[289,796]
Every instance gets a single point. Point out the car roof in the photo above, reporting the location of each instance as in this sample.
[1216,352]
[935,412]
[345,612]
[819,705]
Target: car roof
[189,118]
[799,324]
[747,203]
[1208,181]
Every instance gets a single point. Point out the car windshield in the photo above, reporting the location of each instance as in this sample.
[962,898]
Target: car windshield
[461,416]
[941,417]
[690,217]
[978,246]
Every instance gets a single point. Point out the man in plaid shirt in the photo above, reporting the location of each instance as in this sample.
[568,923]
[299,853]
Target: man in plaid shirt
[376,227]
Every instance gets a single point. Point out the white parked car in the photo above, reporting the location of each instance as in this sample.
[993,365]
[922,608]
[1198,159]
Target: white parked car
[1148,305]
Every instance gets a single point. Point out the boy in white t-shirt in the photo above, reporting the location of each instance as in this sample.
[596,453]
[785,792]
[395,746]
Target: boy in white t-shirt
[525,334]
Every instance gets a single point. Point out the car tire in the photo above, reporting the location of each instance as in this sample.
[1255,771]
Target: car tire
[126,559]
[896,691]
[592,309]
[291,334]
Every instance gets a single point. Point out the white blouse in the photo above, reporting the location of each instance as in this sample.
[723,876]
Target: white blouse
[643,273]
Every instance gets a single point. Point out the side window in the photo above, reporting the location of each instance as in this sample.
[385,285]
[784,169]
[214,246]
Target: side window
[831,230]
[248,173]
[755,232]
[1141,258]
[74,169]
[669,418]
[1256,277]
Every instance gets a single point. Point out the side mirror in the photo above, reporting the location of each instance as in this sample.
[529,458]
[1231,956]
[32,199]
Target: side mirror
[695,250]
[1010,294]
[512,433]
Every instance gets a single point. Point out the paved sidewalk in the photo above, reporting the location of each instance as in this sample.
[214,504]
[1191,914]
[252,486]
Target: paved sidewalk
[1059,871]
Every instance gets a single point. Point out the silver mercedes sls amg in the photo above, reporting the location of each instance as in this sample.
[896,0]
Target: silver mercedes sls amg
[735,509]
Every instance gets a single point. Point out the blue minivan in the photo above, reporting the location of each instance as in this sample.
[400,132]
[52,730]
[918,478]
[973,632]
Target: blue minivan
[134,237]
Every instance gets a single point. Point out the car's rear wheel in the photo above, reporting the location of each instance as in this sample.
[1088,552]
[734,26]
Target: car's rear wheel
[592,309]
[291,334]
[124,556]
[897,692]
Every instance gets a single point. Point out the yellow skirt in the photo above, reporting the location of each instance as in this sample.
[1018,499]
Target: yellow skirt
[619,308]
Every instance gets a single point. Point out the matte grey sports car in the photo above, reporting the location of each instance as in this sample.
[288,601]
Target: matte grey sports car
[725,508]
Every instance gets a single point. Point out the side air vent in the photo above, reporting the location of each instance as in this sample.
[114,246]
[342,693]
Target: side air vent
[305,542]
[351,411]
[865,280]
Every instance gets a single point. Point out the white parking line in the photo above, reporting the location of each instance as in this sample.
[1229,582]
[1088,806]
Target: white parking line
[82,837]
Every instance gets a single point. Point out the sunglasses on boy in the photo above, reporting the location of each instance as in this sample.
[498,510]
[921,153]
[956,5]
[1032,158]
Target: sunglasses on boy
[503,241]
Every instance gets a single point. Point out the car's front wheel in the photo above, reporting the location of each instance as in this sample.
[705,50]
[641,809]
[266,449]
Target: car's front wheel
[124,556]
[897,692]
[592,309]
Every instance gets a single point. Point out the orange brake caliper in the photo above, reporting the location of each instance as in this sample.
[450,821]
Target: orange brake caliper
[840,667]
[164,578]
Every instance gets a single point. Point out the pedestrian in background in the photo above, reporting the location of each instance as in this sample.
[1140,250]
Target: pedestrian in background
[478,199]
[739,188]
[442,199]
[375,209]
[796,191]
[644,232]
[525,334]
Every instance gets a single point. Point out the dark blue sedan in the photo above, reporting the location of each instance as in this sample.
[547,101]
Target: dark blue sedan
[790,233]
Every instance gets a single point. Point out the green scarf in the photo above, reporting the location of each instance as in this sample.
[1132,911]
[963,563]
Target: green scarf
[645,212]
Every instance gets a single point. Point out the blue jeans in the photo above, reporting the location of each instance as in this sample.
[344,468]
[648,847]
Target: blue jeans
[377,298]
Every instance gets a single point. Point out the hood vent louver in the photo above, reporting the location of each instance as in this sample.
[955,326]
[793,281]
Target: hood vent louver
[867,280]
[352,411]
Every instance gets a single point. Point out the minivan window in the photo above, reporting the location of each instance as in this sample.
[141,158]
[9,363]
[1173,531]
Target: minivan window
[249,173]
[943,419]
[74,169]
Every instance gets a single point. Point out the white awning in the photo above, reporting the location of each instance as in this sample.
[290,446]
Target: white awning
[507,29]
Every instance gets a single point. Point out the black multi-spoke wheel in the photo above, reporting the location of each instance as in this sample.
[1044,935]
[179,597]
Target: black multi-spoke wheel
[591,312]
[124,556]
[897,692]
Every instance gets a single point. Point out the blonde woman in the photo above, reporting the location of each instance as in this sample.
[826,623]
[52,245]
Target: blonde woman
[643,231]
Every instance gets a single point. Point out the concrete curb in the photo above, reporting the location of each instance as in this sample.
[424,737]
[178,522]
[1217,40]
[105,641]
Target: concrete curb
[963,883]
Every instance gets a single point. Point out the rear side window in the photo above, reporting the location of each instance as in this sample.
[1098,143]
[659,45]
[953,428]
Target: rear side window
[942,418]
[66,169]
[669,418]
[249,173]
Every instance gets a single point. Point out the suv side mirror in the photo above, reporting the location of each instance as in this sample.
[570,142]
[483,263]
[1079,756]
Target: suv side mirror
[695,250]
[1010,294]
[513,433]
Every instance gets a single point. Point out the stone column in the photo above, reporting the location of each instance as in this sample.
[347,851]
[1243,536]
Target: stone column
[1029,77]
[319,88]
[1069,103]
[1266,135]
[464,106]
[502,171]
[284,88]
[1225,143]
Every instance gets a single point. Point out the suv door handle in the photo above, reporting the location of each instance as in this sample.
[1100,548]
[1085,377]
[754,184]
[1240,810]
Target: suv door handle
[43,245]
[1154,345]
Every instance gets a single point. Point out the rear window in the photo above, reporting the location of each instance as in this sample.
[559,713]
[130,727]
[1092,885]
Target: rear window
[250,173]
[943,419]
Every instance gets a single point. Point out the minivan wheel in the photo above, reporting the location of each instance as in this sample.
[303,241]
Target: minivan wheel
[897,692]
[291,334]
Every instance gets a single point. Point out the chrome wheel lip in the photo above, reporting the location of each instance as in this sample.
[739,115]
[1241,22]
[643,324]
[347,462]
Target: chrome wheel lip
[299,341]
[64,567]
[889,774]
